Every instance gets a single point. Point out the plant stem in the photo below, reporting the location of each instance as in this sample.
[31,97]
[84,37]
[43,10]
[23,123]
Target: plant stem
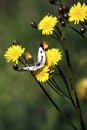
[77,32]
[54,104]
[67,86]
[59,92]
[54,37]
[57,86]
[59,31]
[74,89]
[57,35]
[22,62]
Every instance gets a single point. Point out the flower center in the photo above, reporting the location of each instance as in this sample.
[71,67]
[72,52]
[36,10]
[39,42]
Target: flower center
[42,74]
[47,25]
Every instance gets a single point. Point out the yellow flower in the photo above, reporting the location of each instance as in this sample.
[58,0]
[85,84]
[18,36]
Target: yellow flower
[78,13]
[13,53]
[81,87]
[47,24]
[53,56]
[42,74]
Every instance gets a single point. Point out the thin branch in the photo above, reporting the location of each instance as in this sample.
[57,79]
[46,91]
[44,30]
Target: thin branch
[54,104]
[54,37]
[77,32]
[74,89]
[57,86]
[58,92]
[59,31]
[67,86]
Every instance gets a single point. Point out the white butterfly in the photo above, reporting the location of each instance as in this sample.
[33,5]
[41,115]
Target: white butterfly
[41,59]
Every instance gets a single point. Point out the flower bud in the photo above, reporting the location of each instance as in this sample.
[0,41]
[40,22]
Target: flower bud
[45,45]
[28,58]
[53,1]
[66,16]
[34,25]
[65,8]
[60,10]
[60,18]
[28,55]
[15,67]
[15,42]
[63,23]
[82,30]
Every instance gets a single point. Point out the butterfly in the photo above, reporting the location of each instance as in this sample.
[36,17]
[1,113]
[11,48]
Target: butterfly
[41,58]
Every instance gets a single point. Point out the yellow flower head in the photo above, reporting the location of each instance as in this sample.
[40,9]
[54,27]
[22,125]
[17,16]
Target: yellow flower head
[53,56]
[81,87]
[42,74]
[47,24]
[13,53]
[78,13]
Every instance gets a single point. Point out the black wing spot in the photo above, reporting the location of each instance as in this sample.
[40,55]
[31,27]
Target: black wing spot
[41,57]
[40,51]
[37,64]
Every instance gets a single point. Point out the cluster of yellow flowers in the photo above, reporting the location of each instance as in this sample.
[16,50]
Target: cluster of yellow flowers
[53,56]
[48,58]
[77,13]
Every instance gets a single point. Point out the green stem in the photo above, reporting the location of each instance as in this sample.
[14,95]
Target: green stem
[67,86]
[54,37]
[74,89]
[58,92]
[54,104]
[58,87]
[77,32]
[59,31]
[22,62]
[71,78]
[57,35]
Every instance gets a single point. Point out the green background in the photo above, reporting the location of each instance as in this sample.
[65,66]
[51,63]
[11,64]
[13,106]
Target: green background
[23,105]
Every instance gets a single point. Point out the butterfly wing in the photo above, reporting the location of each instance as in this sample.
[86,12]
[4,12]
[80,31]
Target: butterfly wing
[41,58]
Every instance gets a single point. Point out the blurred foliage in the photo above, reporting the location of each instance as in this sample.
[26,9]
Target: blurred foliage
[23,105]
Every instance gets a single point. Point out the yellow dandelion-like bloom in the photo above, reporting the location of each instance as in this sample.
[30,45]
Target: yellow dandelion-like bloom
[42,74]
[78,13]
[13,53]
[53,56]
[81,87]
[47,24]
